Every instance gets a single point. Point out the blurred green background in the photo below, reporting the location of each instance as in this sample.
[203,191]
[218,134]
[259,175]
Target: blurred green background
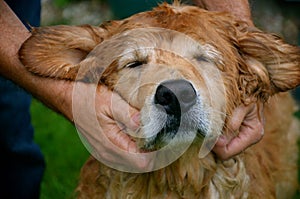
[64,153]
[58,139]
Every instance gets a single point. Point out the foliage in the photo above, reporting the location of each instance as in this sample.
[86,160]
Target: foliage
[64,153]
[63,3]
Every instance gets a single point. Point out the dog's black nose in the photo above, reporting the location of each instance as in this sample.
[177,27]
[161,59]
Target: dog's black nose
[175,96]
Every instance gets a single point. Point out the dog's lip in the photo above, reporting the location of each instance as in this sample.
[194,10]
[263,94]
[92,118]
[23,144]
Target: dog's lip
[173,125]
[201,133]
[180,118]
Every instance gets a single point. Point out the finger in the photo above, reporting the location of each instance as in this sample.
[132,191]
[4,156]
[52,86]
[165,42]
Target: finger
[124,113]
[113,132]
[237,117]
[117,148]
[122,140]
[240,116]
[233,126]
[114,157]
[246,122]
[109,105]
[112,105]
[247,137]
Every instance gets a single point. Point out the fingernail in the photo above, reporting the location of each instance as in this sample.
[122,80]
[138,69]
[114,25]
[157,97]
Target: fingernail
[136,118]
[222,140]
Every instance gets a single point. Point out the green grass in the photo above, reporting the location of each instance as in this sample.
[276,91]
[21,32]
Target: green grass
[63,151]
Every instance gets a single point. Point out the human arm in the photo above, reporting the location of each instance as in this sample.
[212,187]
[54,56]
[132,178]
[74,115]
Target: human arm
[240,9]
[58,94]
[245,126]
[13,34]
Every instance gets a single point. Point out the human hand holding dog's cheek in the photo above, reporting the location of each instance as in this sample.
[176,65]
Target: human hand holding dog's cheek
[115,116]
[248,122]
[102,116]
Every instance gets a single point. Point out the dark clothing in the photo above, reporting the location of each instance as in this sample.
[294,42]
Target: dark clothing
[22,163]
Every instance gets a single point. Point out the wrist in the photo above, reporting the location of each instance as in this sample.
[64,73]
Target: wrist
[56,94]
[240,9]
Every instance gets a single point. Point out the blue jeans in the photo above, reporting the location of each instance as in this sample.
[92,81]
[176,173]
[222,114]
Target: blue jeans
[22,163]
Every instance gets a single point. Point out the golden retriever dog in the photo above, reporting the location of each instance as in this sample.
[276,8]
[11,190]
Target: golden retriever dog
[186,69]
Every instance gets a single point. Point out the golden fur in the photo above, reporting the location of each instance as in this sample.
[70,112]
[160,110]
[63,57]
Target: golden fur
[253,66]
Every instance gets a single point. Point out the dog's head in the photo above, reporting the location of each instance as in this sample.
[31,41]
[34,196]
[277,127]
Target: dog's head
[184,67]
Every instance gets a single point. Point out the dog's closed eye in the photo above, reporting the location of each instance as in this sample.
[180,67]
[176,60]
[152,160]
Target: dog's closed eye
[201,58]
[135,64]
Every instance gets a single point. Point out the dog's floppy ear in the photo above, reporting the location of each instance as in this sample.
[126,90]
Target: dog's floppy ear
[274,62]
[56,51]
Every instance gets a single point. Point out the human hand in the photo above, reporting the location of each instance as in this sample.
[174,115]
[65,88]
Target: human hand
[248,122]
[102,120]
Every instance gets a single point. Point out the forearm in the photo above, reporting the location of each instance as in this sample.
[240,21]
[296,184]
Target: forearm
[54,93]
[239,8]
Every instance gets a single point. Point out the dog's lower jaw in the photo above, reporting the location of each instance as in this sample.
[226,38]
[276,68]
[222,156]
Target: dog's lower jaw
[160,129]
[173,134]
[176,139]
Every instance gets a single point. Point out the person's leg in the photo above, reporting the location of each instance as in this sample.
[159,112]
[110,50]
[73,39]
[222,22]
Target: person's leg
[22,163]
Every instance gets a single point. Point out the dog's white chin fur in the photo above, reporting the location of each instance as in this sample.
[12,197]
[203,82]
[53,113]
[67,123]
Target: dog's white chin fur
[154,120]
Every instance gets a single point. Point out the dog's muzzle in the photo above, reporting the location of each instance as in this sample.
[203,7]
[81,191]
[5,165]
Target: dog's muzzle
[174,113]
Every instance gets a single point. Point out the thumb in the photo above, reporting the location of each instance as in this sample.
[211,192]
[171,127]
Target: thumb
[123,113]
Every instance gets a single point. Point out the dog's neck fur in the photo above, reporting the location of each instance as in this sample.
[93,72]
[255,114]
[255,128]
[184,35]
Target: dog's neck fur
[200,177]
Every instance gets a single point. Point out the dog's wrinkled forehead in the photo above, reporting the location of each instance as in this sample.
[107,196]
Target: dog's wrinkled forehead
[138,44]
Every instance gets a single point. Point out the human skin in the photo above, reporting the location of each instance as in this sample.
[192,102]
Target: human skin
[57,94]
[246,124]
[240,9]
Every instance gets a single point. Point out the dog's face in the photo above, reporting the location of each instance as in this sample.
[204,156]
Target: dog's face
[168,76]
[186,69]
